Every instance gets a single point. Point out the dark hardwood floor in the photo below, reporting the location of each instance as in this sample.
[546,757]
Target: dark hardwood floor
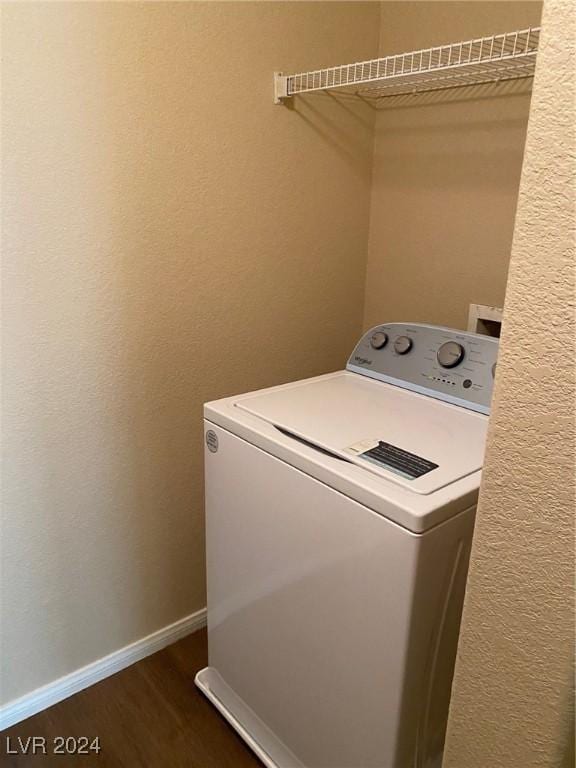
[150,714]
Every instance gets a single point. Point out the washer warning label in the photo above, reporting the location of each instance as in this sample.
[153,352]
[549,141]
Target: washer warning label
[397,460]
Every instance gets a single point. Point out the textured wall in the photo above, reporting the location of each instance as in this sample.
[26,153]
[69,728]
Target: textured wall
[170,236]
[512,689]
[446,174]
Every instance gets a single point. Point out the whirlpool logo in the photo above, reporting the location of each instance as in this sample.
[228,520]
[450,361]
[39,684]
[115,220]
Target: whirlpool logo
[212,441]
[363,360]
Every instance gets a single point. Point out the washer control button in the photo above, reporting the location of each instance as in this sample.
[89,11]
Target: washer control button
[378,340]
[467,383]
[402,345]
[450,354]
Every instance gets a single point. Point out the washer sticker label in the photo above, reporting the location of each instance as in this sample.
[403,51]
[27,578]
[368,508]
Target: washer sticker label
[395,459]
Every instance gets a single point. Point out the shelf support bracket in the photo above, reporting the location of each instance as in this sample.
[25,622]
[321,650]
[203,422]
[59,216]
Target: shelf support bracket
[280,88]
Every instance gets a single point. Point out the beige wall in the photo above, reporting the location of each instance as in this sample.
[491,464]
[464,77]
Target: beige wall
[170,236]
[446,174]
[514,678]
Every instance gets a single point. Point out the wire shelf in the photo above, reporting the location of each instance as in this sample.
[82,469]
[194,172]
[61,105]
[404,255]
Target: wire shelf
[507,56]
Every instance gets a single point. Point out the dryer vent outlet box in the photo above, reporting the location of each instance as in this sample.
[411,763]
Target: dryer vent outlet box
[485,320]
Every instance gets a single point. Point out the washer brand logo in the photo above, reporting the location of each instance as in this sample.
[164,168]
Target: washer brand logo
[212,441]
[363,360]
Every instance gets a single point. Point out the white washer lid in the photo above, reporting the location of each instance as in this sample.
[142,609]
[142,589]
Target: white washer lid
[405,433]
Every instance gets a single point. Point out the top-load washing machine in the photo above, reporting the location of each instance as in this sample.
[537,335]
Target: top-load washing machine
[339,516]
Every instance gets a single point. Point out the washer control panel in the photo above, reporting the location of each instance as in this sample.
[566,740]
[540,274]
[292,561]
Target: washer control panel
[447,364]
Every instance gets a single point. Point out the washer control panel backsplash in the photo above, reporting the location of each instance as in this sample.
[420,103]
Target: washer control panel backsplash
[450,365]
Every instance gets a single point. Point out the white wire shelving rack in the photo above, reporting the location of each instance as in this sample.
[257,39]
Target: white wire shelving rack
[506,56]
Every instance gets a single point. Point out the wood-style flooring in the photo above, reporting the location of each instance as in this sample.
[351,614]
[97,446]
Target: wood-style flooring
[150,715]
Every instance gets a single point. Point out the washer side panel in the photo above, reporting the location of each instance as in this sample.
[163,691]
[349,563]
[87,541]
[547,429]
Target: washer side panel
[310,601]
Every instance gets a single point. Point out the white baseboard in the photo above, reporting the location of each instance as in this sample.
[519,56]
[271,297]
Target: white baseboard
[50,694]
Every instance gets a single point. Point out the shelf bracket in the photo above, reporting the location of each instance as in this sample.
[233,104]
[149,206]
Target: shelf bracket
[280,88]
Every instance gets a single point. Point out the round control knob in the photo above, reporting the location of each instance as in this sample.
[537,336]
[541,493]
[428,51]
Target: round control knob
[378,340]
[450,354]
[402,345]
